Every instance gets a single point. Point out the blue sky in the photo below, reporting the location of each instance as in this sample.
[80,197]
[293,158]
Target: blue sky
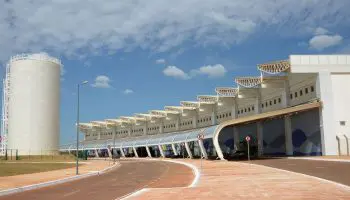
[163,52]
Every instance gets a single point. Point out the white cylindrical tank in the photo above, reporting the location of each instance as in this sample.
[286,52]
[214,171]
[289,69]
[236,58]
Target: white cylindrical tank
[34,104]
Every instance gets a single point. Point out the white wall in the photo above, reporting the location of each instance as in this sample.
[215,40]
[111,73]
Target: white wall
[341,99]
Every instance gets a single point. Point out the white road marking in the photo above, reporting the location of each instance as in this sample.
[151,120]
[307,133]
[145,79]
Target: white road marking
[71,193]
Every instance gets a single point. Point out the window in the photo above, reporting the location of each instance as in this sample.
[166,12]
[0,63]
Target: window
[274,101]
[253,107]
[291,96]
[342,123]
[270,103]
[262,105]
[230,113]
[312,89]
[245,110]
[226,114]
[249,109]
[295,94]
[238,112]
[266,104]
[306,90]
[279,100]
[301,92]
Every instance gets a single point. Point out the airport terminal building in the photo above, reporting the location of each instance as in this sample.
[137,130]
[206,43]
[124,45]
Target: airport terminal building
[296,107]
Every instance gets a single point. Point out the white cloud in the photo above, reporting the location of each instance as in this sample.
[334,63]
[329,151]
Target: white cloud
[75,28]
[320,31]
[128,91]
[212,71]
[160,61]
[101,81]
[175,72]
[320,42]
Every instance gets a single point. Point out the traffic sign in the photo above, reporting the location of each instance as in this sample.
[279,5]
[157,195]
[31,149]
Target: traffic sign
[247,138]
[200,136]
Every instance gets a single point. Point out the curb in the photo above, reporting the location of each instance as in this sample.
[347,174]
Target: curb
[54,182]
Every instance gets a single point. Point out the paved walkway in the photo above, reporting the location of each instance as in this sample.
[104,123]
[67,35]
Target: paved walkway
[332,169]
[8,182]
[238,180]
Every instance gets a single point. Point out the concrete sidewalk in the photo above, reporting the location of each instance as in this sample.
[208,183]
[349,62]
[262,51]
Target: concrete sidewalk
[9,182]
[229,180]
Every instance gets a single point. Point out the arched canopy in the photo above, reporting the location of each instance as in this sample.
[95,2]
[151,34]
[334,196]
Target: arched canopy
[178,137]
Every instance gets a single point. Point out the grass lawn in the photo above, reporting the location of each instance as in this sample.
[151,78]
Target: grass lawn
[11,169]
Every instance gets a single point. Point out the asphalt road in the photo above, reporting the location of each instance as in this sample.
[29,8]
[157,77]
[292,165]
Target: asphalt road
[129,177]
[330,170]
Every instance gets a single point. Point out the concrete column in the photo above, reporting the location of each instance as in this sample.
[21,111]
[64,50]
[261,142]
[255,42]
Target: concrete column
[96,153]
[287,120]
[234,110]
[148,152]
[214,113]
[286,95]
[203,151]
[99,134]
[259,134]
[288,136]
[122,152]
[135,152]
[195,119]
[161,151]
[145,129]
[257,106]
[174,149]
[188,150]
[114,133]
[177,124]
[161,126]
[234,115]
[129,131]
[324,91]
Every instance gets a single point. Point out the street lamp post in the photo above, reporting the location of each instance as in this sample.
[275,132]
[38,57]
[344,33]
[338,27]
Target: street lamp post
[77,153]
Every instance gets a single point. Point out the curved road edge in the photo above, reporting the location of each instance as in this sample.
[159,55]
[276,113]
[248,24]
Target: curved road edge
[195,171]
[55,182]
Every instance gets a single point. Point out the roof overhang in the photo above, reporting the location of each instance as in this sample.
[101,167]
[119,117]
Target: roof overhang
[127,120]
[190,104]
[85,126]
[99,124]
[275,67]
[158,113]
[207,99]
[226,91]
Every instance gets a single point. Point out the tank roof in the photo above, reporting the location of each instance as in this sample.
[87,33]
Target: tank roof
[36,56]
